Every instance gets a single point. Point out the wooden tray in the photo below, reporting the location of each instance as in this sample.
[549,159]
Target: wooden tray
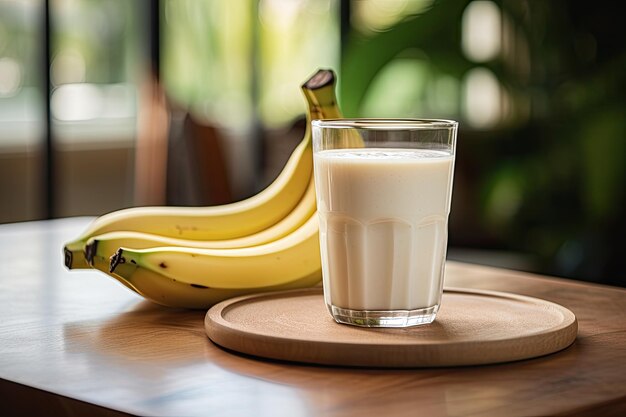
[472,327]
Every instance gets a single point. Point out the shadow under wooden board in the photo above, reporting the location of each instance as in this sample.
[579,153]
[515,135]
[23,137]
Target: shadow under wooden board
[473,327]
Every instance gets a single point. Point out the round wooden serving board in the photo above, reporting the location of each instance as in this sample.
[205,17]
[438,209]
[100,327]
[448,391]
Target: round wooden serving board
[472,327]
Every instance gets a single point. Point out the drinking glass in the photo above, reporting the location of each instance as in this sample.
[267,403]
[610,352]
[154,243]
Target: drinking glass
[383,188]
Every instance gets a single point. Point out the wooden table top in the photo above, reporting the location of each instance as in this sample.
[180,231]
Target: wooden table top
[77,343]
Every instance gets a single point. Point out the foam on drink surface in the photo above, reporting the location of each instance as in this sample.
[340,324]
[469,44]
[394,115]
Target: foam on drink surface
[384,154]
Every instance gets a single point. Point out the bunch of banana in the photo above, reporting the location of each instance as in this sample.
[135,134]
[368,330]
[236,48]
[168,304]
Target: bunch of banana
[193,257]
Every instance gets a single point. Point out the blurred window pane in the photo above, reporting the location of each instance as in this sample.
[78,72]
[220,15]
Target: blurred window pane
[97,63]
[207,58]
[224,60]
[93,70]
[22,118]
[296,38]
[21,114]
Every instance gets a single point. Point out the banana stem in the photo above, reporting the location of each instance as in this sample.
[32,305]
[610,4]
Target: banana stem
[319,92]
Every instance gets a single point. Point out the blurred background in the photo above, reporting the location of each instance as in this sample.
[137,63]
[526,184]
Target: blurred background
[106,104]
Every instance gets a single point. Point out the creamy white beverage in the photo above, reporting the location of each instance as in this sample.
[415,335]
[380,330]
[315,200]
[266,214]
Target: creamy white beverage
[383,226]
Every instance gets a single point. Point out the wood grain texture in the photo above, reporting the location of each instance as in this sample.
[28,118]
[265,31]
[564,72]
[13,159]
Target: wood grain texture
[473,327]
[84,336]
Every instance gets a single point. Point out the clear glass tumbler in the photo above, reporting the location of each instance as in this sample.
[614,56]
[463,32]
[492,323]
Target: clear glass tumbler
[383,188]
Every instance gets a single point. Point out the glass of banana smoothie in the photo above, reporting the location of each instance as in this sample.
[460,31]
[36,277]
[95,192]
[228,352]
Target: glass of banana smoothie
[383,197]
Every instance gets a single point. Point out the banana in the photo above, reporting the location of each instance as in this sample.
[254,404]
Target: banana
[229,221]
[104,245]
[286,260]
[171,293]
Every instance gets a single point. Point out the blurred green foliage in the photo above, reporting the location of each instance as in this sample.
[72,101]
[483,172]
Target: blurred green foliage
[234,62]
[547,179]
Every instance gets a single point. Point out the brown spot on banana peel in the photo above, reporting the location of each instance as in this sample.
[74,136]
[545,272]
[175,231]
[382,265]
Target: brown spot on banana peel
[163,265]
[182,229]
[116,259]
[199,286]
[90,251]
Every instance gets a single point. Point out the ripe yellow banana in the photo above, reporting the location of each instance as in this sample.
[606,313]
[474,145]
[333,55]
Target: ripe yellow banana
[229,221]
[169,292]
[103,246]
[276,263]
